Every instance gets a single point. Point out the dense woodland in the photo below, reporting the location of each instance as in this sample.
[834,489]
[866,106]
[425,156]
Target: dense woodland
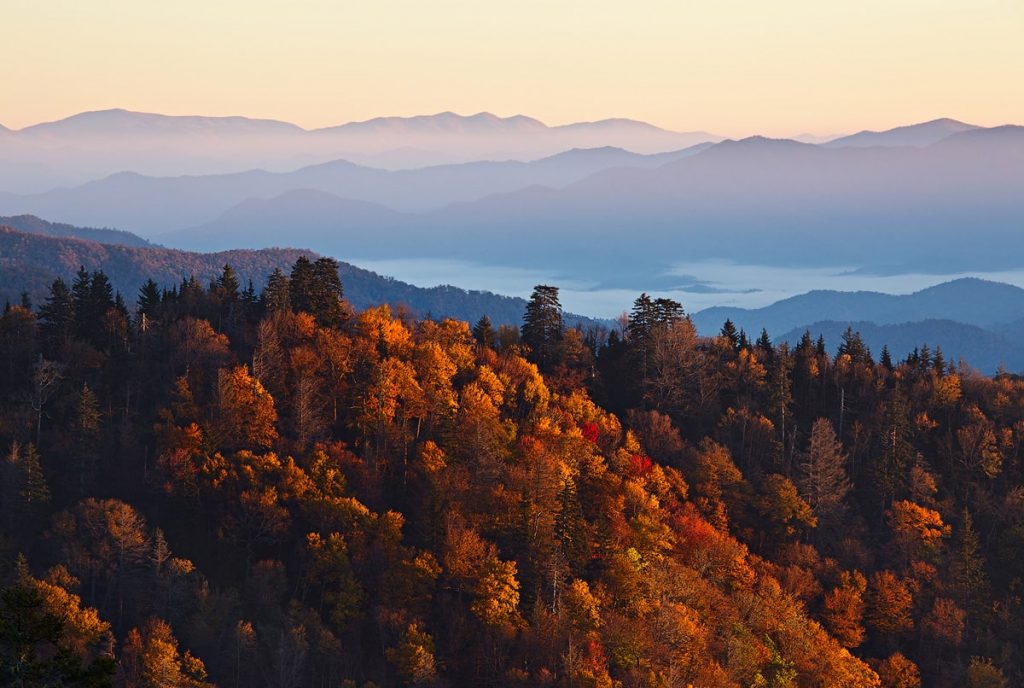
[217,486]
[35,252]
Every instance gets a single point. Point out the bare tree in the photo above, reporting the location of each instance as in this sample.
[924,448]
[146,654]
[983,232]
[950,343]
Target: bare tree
[46,377]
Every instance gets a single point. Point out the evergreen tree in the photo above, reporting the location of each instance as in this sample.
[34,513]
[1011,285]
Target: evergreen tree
[315,288]
[300,285]
[819,346]
[483,332]
[57,315]
[149,299]
[227,284]
[780,392]
[764,345]
[925,360]
[894,452]
[570,527]
[730,334]
[542,326]
[971,580]
[36,645]
[327,293]
[854,347]
[33,488]
[276,296]
[885,359]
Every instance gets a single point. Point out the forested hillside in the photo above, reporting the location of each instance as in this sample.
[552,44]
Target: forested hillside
[282,490]
[28,263]
[30,224]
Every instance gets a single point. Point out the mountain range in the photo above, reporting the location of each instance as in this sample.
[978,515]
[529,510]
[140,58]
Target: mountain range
[162,204]
[755,201]
[608,213]
[973,301]
[92,145]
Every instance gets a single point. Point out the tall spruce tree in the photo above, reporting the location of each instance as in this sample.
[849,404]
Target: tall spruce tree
[542,326]
[276,296]
[483,332]
[57,315]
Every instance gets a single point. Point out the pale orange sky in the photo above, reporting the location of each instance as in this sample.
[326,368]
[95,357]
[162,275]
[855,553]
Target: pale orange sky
[733,67]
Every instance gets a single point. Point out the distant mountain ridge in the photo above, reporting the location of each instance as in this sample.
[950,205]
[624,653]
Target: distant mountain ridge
[30,224]
[968,300]
[754,201]
[161,204]
[923,134]
[981,349]
[92,145]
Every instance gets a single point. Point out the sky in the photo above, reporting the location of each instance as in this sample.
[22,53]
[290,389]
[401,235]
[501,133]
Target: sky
[730,67]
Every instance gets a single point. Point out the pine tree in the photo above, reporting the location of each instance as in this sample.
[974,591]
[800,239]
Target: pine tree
[885,359]
[780,392]
[764,345]
[57,315]
[570,527]
[483,332]
[971,580]
[149,301]
[730,334]
[276,296]
[227,284]
[894,452]
[854,347]
[327,293]
[315,288]
[33,488]
[542,326]
[300,285]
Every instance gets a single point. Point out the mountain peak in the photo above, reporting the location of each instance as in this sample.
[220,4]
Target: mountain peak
[918,135]
[441,122]
[119,121]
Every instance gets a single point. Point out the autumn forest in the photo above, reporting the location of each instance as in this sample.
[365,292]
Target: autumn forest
[212,484]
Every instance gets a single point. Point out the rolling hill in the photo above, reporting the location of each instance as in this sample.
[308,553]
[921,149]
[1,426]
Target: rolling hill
[971,301]
[30,262]
[923,134]
[30,224]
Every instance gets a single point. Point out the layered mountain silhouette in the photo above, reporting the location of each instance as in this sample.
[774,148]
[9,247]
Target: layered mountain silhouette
[163,204]
[968,300]
[91,145]
[950,207]
[919,135]
[30,224]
